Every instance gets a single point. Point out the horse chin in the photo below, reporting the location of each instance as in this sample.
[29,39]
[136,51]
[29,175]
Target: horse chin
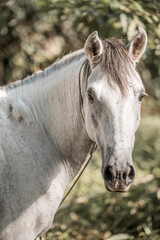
[121,190]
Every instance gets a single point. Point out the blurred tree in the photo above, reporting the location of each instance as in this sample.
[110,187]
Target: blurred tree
[34,32]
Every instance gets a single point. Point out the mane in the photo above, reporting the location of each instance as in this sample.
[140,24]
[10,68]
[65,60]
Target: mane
[65,61]
[116,63]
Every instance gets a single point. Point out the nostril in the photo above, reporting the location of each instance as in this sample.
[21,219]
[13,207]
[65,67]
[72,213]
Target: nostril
[131,174]
[124,176]
[108,176]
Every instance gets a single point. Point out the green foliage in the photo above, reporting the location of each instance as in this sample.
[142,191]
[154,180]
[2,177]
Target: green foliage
[148,141]
[104,215]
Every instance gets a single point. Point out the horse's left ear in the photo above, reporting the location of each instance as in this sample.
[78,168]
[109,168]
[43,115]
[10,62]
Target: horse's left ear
[138,45]
[93,47]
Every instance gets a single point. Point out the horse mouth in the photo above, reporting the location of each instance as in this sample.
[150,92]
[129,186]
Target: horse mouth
[120,189]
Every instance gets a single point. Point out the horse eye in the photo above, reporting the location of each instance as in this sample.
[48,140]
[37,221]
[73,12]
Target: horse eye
[90,97]
[141,97]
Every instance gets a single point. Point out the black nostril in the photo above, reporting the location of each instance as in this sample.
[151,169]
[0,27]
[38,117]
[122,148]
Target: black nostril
[108,175]
[131,174]
[124,176]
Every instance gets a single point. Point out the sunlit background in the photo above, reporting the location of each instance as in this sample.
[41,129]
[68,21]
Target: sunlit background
[34,34]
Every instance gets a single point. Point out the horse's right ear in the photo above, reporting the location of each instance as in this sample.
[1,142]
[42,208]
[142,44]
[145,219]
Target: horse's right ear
[93,47]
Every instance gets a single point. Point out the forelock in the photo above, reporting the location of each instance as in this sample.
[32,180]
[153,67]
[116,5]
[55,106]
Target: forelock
[117,64]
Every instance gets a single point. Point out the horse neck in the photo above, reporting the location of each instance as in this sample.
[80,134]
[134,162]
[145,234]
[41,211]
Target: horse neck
[55,102]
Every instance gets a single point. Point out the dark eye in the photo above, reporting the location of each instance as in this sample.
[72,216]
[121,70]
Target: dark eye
[141,97]
[90,97]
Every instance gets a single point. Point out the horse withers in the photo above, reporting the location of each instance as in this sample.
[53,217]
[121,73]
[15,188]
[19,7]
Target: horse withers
[51,122]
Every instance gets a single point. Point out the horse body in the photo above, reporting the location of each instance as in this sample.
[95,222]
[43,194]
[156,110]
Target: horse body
[39,158]
[46,136]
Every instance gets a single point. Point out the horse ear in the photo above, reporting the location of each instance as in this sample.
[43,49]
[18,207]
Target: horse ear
[138,45]
[93,47]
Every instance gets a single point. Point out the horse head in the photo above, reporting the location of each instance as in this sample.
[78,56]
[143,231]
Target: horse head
[112,104]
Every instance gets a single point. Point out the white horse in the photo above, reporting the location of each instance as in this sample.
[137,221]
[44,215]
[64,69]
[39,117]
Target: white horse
[51,122]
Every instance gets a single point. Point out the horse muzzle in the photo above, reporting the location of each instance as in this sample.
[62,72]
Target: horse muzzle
[118,179]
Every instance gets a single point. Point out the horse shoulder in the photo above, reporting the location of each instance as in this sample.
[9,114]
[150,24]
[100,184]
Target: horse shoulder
[30,175]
